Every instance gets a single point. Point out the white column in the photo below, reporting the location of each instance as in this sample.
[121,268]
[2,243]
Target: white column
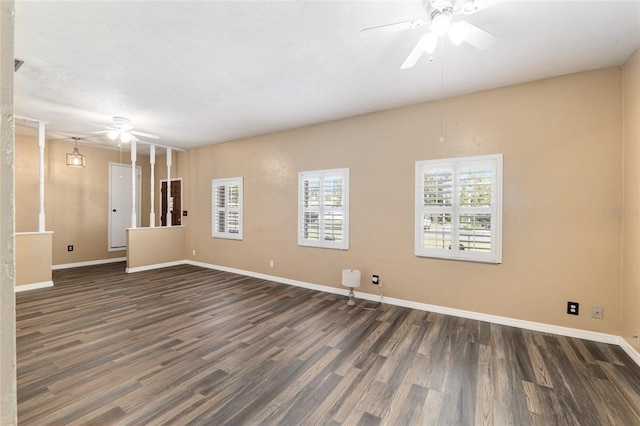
[152,161]
[168,195]
[41,217]
[134,218]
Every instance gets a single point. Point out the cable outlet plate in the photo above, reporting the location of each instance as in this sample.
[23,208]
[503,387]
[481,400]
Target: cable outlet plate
[573,308]
[375,279]
[596,312]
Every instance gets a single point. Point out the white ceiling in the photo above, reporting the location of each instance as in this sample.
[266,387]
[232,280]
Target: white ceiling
[203,72]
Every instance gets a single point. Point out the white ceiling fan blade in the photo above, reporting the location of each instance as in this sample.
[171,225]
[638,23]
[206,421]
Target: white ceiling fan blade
[413,57]
[111,134]
[390,28]
[427,43]
[480,39]
[100,125]
[144,135]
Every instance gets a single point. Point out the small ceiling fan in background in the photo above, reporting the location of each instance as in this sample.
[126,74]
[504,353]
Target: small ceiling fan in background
[444,19]
[122,130]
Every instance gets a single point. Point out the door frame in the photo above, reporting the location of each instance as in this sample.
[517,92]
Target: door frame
[138,202]
[160,199]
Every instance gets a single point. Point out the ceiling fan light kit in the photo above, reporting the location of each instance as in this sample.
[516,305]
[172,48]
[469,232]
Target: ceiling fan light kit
[441,21]
[126,137]
[459,32]
[441,15]
[123,131]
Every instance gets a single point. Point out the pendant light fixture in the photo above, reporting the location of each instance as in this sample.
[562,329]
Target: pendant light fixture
[75,159]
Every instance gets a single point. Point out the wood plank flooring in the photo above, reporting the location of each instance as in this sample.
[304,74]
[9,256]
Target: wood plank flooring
[186,345]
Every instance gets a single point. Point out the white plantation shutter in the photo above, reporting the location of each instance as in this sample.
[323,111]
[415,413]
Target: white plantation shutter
[220,207]
[437,209]
[227,208]
[311,196]
[475,198]
[459,208]
[323,208]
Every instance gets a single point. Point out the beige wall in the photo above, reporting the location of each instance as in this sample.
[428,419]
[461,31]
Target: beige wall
[631,217]
[152,246]
[33,258]
[561,140]
[76,199]
[562,145]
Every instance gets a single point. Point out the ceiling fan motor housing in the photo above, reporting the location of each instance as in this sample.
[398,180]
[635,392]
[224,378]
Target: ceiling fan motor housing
[437,4]
[457,6]
[122,123]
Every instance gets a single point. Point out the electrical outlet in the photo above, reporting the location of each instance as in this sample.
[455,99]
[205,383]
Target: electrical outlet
[375,279]
[194,252]
[271,264]
[596,312]
[573,308]
[70,247]
[636,337]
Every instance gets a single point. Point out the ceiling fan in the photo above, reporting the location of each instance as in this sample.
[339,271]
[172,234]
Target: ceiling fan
[442,15]
[123,130]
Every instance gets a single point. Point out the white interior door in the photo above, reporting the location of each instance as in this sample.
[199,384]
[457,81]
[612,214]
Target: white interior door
[120,206]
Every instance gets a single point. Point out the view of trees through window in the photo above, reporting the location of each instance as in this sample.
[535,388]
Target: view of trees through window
[323,204]
[473,192]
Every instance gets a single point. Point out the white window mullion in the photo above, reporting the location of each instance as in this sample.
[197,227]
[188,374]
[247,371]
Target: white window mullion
[322,209]
[455,215]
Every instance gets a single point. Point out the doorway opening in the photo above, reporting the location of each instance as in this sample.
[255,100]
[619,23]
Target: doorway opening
[121,205]
[175,202]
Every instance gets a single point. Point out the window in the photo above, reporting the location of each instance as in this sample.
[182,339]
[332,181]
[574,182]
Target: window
[227,208]
[459,208]
[323,209]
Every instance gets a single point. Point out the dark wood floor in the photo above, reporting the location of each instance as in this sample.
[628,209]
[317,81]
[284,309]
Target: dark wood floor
[186,345]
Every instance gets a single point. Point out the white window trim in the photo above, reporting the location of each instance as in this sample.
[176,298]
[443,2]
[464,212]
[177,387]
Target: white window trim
[215,209]
[495,255]
[322,243]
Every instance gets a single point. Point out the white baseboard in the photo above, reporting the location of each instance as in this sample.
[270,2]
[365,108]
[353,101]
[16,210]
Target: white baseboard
[630,350]
[33,286]
[512,322]
[88,263]
[273,278]
[155,266]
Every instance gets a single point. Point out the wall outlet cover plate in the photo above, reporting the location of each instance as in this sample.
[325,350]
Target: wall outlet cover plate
[573,308]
